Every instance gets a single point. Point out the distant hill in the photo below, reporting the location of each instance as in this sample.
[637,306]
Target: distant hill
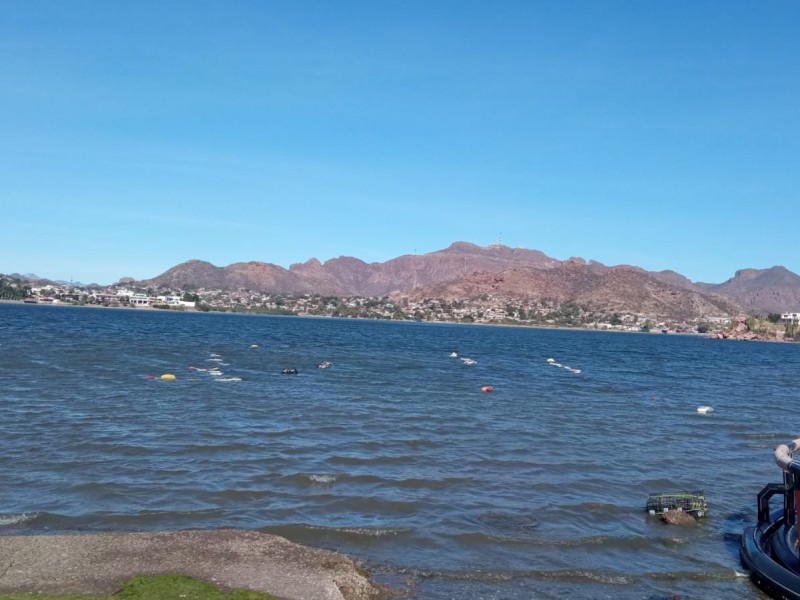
[32,279]
[773,290]
[348,276]
[35,280]
[466,270]
[622,289]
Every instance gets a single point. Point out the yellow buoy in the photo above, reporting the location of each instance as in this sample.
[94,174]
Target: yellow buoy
[168,377]
[551,360]
[254,345]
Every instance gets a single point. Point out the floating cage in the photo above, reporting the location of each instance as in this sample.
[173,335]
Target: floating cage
[693,502]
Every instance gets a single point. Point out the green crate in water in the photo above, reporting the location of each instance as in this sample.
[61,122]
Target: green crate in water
[693,502]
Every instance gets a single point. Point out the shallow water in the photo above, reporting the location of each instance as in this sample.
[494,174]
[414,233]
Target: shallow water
[394,455]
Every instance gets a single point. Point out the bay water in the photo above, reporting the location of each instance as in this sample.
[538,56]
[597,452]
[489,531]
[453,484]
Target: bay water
[394,455]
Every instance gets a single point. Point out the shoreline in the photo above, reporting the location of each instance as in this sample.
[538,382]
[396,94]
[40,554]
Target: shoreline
[724,336]
[97,564]
[305,316]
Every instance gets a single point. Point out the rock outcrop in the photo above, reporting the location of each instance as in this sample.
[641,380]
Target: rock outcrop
[739,330]
[229,558]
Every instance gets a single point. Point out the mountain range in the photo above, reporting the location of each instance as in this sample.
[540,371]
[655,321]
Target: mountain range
[465,270]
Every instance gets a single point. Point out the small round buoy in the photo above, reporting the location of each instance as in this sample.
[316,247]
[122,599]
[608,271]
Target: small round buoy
[652,398]
[487,388]
[168,377]
[551,360]
[152,376]
[705,409]
[254,345]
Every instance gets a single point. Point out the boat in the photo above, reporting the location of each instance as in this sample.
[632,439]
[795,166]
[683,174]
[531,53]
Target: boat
[769,549]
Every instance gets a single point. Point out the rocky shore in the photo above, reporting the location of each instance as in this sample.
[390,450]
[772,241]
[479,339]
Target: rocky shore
[230,558]
[740,331]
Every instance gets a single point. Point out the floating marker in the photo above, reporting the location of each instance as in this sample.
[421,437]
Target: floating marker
[553,362]
[168,377]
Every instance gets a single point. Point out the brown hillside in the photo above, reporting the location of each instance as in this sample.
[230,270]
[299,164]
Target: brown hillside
[773,290]
[611,289]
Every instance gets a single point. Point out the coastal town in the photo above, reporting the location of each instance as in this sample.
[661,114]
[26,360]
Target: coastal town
[485,309]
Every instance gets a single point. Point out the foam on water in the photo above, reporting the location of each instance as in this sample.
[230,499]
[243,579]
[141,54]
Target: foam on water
[321,478]
[16,519]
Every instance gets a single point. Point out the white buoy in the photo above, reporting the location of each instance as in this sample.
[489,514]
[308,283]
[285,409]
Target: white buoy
[704,409]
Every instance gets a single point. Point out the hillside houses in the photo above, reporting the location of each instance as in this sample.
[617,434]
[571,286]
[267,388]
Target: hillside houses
[485,309]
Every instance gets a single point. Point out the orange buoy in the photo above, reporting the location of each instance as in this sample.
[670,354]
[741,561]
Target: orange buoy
[487,388]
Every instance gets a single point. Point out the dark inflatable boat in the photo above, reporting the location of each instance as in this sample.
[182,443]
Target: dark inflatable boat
[769,550]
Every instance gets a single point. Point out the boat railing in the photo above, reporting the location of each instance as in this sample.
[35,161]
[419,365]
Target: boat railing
[769,550]
[790,488]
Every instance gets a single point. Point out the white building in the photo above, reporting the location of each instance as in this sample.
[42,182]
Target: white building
[140,300]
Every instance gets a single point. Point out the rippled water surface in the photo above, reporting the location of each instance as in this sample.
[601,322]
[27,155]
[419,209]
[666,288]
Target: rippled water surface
[394,455]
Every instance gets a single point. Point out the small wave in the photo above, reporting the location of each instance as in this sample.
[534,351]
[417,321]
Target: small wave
[709,574]
[240,495]
[590,575]
[305,478]
[17,518]
[321,534]
[422,443]
[412,483]
[320,478]
[371,532]
[566,575]
[371,460]
[769,436]
[434,484]
[529,537]
[508,522]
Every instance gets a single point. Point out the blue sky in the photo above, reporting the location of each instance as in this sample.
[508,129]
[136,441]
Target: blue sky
[138,135]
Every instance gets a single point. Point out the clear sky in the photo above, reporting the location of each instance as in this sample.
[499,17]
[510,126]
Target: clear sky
[137,135]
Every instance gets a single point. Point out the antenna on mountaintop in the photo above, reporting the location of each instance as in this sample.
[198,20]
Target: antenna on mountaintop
[499,241]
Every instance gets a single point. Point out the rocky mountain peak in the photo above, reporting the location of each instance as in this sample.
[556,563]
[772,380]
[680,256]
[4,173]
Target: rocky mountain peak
[464,269]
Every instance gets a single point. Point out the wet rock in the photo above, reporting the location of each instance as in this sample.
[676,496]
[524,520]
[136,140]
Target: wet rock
[678,517]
